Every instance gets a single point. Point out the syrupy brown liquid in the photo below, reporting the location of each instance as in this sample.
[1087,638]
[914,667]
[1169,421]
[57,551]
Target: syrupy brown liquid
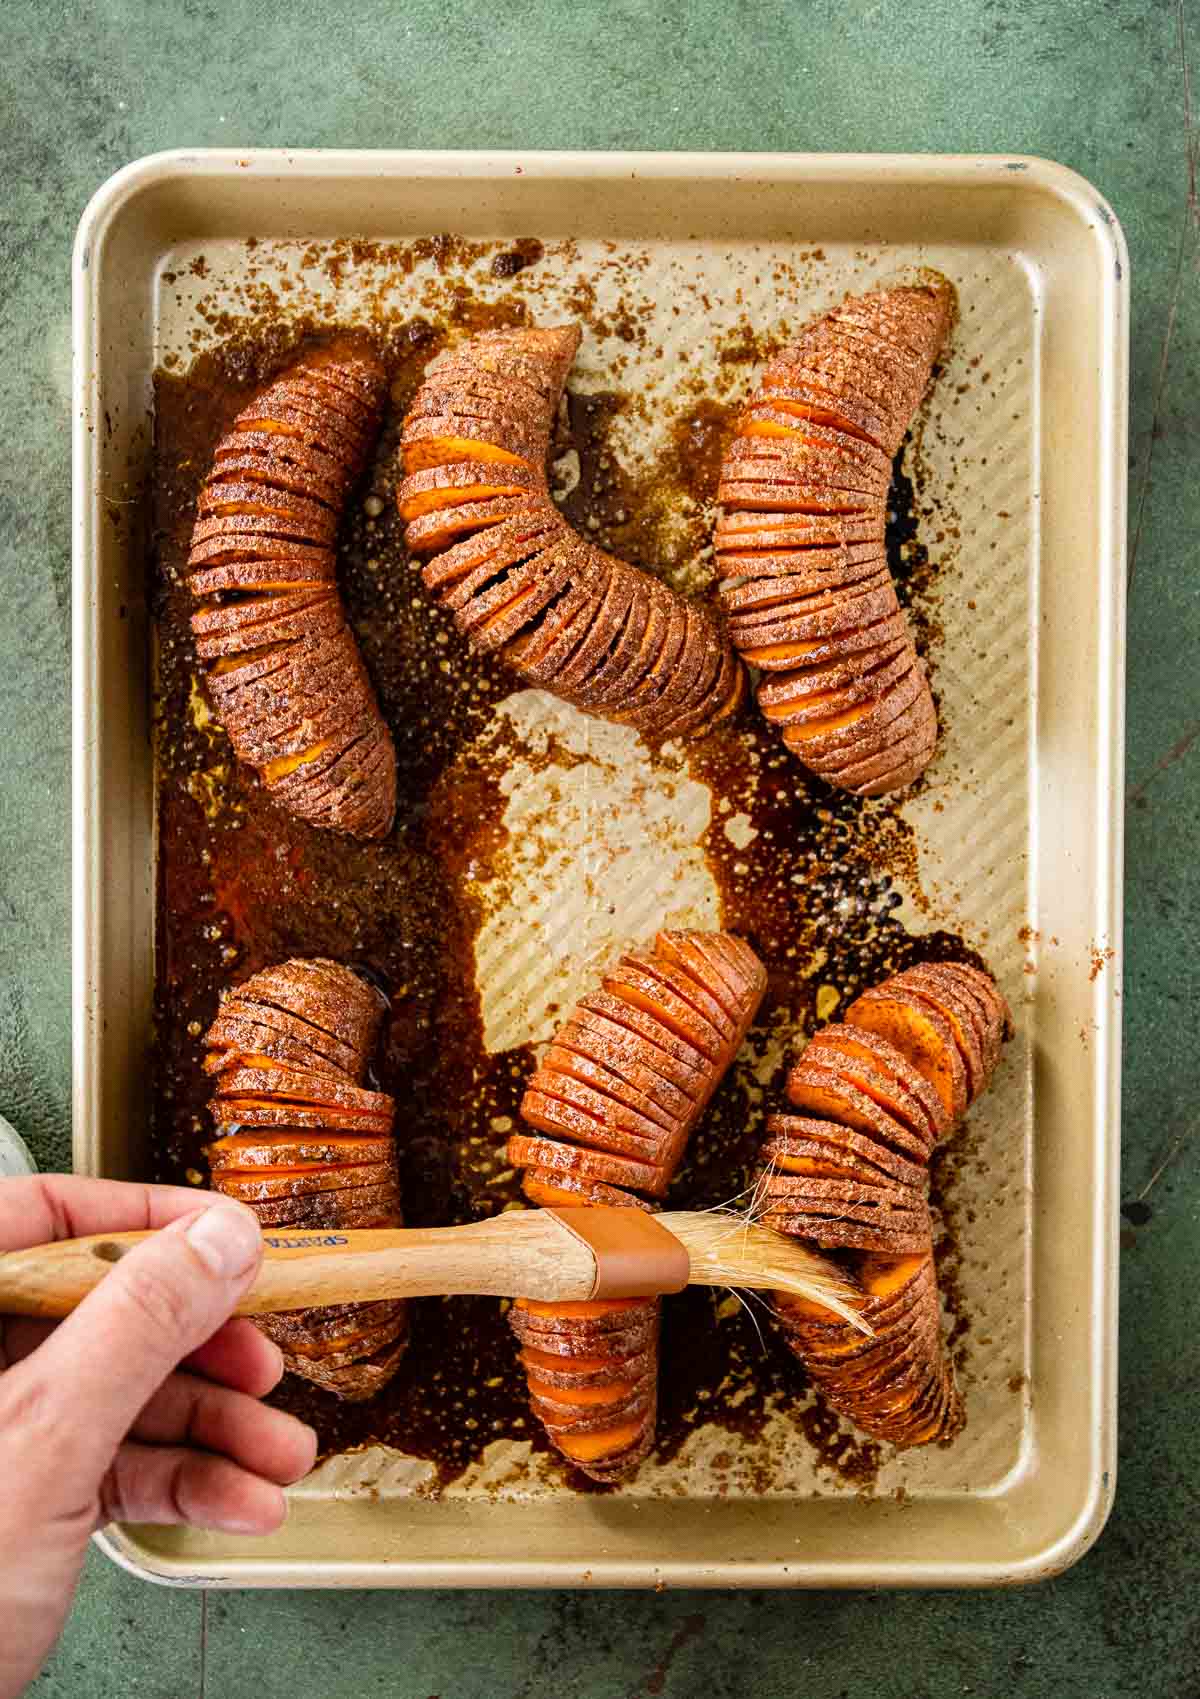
[242,884]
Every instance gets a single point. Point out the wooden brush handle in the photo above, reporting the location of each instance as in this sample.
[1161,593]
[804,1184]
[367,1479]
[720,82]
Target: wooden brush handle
[528,1253]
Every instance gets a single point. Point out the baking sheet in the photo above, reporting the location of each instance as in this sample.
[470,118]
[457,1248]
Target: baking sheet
[996,847]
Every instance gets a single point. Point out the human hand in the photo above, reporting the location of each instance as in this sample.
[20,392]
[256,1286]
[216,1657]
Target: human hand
[142,1406]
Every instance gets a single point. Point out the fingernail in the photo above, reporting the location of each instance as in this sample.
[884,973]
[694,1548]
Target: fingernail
[226,1239]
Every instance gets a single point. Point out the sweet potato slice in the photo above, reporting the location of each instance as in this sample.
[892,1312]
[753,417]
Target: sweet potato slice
[921,1035]
[461,483]
[632,984]
[241,1037]
[645,1037]
[690,991]
[669,632]
[571,1190]
[601,1312]
[434,441]
[608,1124]
[883,1087]
[826,1095]
[858,1045]
[853,1156]
[261,1075]
[944,992]
[297,1150]
[552,1369]
[265,1183]
[610,1082]
[433,532]
[552,1158]
[832,740]
[567,1340]
[837,1143]
[834,646]
[357,1381]
[332,1212]
[589,1448]
[819,693]
[753,591]
[233,1113]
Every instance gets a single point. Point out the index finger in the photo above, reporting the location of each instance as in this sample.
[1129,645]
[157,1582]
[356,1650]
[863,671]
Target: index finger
[45,1207]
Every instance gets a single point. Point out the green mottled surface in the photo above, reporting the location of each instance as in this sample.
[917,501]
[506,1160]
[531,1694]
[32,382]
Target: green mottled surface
[1099,84]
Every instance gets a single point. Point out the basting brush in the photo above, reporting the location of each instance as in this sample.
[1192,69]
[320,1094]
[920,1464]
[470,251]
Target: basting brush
[551,1255]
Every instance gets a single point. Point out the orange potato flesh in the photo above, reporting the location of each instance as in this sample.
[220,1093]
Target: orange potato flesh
[589,1448]
[445,451]
[431,501]
[835,722]
[454,523]
[234,1144]
[286,764]
[535,1359]
[260,584]
[791,1305]
[772,428]
[275,427]
[810,1165]
[231,663]
[857,1052]
[509,608]
[780,710]
[883,1276]
[765,428]
[327,1347]
[819,416]
[230,1105]
[549,1197]
[266,1172]
[785,651]
[628,994]
[828,1104]
[612,1392]
[584,1310]
[896,1103]
[915,1040]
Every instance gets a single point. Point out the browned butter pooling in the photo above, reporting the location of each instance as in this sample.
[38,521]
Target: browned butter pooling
[242,884]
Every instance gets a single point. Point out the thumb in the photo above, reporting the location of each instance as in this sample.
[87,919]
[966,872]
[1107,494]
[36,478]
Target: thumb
[158,1304]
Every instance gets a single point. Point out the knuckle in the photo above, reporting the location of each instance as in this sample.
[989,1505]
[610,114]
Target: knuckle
[145,1485]
[36,1427]
[154,1302]
[28,1404]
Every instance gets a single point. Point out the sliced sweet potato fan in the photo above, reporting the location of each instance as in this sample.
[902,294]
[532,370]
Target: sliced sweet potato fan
[518,579]
[283,669]
[304,1145]
[849,1174]
[799,544]
[615,1098]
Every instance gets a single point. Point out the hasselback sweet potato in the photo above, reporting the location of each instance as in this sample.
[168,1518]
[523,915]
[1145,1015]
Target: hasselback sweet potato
[518,579]
[617,1093]
[288,1051]
[282,666]
[849,1173]
[799,543]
